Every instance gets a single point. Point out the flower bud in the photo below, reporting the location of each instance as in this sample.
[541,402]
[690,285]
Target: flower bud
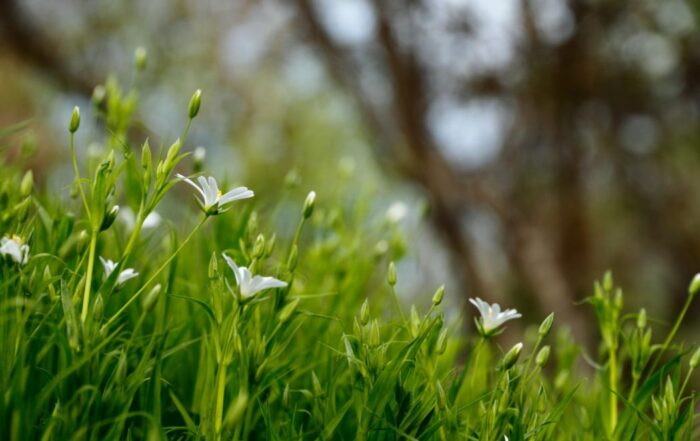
[309,204]
[213,266]
[318,390]
[74,120]
[98,95]
[642,319]
[172,153]
[608,283]
[441,343]
[415,321]
[289,309]
[546,326]
[25,188]
[542,356]
[441,396]
[109,218]
[98,308]
[293,257]
[694,287]
[285,396]
[198,157]
[270,245]
[195,103]
[259,247]
[511,357]
[439,294]
[150,300]
[140,58]
[391,274]
[375,337]
[364,313]
[695,359]
[146,157]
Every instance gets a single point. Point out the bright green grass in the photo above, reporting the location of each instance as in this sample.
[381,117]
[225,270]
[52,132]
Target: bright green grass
[177,353]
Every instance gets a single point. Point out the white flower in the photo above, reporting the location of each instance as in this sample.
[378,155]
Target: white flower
[396,212]
[127,217]
[249,284]
[213,200]
[199,154]
[14,247]
[125,275]
[491,316]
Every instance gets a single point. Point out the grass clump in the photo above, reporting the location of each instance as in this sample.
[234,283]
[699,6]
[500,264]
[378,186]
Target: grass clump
[129,326]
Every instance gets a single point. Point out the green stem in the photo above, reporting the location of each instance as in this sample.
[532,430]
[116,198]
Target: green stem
[398,304]
[673,332]
[613,389]
[219,409]
[155,275]
[88,276]
[76,170]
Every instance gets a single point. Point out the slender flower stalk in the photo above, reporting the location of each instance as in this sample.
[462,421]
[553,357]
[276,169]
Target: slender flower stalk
[160,269]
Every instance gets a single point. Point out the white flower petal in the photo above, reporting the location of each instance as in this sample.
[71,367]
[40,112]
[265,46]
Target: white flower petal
[234,268]
[236,194]
[191,182]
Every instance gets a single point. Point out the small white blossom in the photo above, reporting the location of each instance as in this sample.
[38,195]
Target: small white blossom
[124,276]
[249,284]
[491,316]
[213,201]
[15,248]
[199,155]
[396,212]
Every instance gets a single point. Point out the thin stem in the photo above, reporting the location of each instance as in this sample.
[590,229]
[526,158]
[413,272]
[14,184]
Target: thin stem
[88,276]
[76,170]
[397,304]
[186,131]
[673,332]
[219,409]
[155,275]
[613,389]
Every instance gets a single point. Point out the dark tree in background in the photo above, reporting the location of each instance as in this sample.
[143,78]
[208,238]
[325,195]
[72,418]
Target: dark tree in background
[596,157]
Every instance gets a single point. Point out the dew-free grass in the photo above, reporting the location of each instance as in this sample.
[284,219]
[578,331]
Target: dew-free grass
[119,323]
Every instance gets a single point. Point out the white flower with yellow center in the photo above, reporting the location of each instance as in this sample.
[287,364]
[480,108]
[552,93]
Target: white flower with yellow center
[248,284]
[15,248]
[213,201]
[492,317]
[124,276]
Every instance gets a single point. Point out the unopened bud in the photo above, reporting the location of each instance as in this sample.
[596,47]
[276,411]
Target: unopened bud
[441,396]
[391,274]
[309,204]
[109,218]
[695,359]
[546,326]
[74,120]
[289,309]
[195,103]
[140,58]
[375,336]
[213,266]
[642,319]
[439,294]
[318,390]
[198,157]
[441,343]
[259,247]
[150,300]
[608,283]
[542,356]
[98,95]
[511,357]
[364,313]
[27,184]
[293,257]
[694,287]
[98,308]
